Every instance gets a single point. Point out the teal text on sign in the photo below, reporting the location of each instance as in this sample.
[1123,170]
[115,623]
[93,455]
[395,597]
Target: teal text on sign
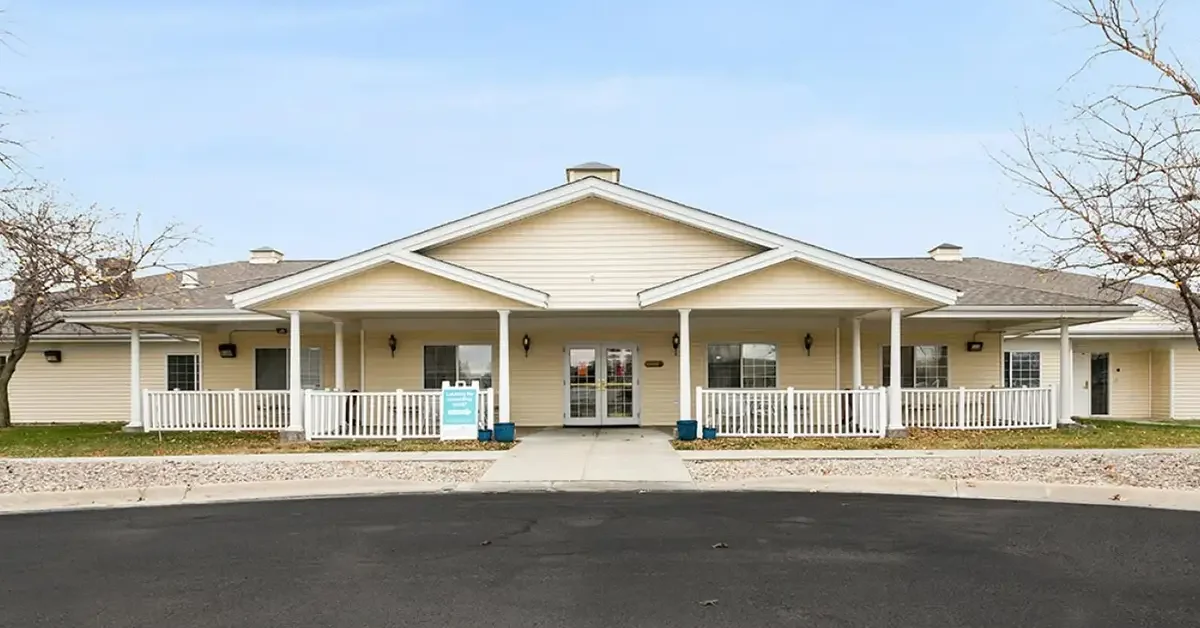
[460,406]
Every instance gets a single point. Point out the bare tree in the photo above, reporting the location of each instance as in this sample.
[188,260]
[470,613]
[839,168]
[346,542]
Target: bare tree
[1123,183]
[55,256]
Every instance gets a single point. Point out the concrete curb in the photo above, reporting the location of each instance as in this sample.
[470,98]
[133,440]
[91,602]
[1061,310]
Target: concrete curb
[1088,494]
[350,456]
[831,454]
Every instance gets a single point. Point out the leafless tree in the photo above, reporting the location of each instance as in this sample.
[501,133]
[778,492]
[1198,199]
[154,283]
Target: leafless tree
[55,256]
[1123,181]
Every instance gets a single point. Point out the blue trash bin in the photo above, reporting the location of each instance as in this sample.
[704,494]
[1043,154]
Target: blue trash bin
[686,430]
[505,432]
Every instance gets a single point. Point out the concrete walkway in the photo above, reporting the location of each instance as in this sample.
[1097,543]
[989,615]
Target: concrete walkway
[592,455]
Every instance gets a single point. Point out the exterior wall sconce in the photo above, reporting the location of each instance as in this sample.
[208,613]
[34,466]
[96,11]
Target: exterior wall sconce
[53,356]
[675,343]
[974,345]
[525,344]
[392,344]
[808,343]
[227,350]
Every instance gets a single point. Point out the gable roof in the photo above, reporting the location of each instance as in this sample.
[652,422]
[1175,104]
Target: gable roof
[593,187]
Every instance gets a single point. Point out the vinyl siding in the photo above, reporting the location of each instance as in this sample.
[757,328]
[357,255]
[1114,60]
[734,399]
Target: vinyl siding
[968,369]
[230,373]
[1187,380]
[1160,384]
[593,254]
[90,385]
[791,285]
[394,287]
[1129,370]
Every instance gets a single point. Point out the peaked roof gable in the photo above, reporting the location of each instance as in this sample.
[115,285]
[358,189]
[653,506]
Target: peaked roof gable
[587,187]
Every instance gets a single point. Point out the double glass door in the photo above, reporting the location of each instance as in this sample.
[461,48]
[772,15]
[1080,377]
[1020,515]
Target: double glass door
[601,385]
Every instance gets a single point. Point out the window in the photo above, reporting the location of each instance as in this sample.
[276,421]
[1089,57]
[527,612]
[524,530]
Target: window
[183,372]
[1022,369]
[452,363]
[748,365]
[921,366]
[271,368]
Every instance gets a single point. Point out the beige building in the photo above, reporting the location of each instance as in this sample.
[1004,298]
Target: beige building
[597,304]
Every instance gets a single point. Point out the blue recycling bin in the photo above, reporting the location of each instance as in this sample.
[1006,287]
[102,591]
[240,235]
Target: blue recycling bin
[686,430]
[505,432]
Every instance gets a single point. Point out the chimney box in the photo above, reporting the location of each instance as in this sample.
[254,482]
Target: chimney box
[946,252]
[265,255]
[594,169]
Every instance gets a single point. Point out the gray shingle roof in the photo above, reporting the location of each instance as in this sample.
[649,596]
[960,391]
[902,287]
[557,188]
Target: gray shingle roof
[163,292]
[592,165]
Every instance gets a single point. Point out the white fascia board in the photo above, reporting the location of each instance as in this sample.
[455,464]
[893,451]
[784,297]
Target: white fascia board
[1081,312]
[311,278]
[103,317]
[472,278]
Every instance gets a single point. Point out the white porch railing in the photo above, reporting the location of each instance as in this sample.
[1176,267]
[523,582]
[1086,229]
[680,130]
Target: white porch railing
[382,415]
[791,412]
[214,410]
[978,409]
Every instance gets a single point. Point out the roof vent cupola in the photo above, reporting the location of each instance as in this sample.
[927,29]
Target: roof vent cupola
[594,169]
[265,255]
[946,252]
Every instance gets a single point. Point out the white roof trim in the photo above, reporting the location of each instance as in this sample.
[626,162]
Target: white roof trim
[1067,312]
[896,281]
[326,273]
[103,317]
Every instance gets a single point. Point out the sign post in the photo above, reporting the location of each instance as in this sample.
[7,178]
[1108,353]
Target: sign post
[460,411]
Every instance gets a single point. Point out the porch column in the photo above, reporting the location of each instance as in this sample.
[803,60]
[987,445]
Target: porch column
[856,352]
[362,358]
[505,399]
[295,408]
[339,356]
[685,366]
[135,379]
[1065,372]
[895,424]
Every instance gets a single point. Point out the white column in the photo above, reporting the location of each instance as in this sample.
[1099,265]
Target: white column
[339,356]
[837,356]
[505,400]
[856,352]
[894,419]
[362,358]
[295,408]
[1065,367]
[685,366]
[135,378]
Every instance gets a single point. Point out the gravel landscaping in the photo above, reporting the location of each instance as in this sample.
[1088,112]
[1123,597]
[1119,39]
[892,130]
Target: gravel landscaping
[28,477]
[1168,471]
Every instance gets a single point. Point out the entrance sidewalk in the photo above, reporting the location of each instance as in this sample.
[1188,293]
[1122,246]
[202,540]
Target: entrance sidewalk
[611,455]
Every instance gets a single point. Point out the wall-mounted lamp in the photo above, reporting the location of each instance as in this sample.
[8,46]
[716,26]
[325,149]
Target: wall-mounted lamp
[525,344]
[53,355]
[282,331]
[808,343]
[974,345]
[675,343]
[227,350]
[392,344]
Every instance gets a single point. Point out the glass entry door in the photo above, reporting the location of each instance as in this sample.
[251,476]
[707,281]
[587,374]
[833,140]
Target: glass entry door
[601,385]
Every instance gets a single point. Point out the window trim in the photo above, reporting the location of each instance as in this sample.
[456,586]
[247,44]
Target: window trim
[1006,367]
[167,368]
[494,366]
[778,361]
[287,366]
[884,358]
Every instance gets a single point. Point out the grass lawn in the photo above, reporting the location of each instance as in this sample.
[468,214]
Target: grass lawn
[107,439]
[1102,435]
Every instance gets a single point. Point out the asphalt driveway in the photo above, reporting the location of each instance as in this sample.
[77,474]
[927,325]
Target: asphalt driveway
[603,560]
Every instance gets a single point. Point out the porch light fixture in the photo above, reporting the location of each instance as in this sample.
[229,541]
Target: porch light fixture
[227,350]
[282,331]
[974,345]
[525,344]
[808,343]
[392,344]
[53,355]
[675,343]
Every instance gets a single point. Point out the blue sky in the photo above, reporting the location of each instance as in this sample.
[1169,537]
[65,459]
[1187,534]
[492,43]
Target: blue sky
[322,128]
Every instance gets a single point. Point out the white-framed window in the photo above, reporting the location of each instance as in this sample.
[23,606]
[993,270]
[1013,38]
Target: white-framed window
[1022,369]
[271,368]
[743,365]
[183,371]
[452,363]
[921,366]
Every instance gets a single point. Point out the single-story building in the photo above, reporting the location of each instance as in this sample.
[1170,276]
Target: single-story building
[597,304]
